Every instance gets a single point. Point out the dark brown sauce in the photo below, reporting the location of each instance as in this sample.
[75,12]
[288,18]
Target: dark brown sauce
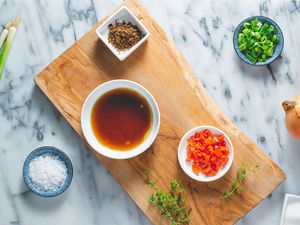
[121,119]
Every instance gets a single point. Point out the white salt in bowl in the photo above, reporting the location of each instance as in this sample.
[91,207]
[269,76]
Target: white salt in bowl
[56,152]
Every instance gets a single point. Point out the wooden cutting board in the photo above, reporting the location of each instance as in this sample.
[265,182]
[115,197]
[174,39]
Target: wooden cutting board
[184,103]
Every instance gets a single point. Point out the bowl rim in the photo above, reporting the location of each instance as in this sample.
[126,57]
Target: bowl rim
[115,153]
[242,56]
[187,168]
[44,150]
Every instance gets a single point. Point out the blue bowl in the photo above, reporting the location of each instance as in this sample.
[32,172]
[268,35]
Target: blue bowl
[40,151]
[277,49]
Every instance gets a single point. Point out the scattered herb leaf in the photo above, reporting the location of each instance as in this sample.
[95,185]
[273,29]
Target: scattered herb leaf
[237,183]
[170,204]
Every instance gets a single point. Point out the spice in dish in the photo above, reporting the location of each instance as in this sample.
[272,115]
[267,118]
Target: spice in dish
[121,119]
[124,35]
[47,172]
[207,152]
[257,40]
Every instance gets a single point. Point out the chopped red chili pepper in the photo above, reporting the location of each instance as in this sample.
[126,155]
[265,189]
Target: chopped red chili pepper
[207,152]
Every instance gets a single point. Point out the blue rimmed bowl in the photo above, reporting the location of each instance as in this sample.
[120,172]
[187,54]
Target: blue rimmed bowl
[277,49]
[41,151]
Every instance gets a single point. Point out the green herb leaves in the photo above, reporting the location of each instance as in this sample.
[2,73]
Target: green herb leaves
[170,204]
[237,184]
[257,41]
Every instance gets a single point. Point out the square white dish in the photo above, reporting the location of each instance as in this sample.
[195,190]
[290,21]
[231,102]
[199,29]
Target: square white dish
[287,216]
[122,14]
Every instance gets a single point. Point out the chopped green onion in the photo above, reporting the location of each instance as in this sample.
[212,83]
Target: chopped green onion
[257,41]
[257,35]
[250,57]
[243,47]
[275,38]
[255,22]
[7,45]
[246,25]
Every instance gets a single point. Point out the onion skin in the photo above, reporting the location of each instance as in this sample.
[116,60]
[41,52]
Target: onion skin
[292,117]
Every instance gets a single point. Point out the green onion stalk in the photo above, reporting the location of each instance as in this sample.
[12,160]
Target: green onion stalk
[4,34]
[7,36]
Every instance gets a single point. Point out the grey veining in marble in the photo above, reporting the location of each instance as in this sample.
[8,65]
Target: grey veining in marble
[250,96]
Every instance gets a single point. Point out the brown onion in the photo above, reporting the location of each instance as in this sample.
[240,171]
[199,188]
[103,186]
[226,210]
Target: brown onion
[292,117]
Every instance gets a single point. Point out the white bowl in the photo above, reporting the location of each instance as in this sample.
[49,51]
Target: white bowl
[122,14]
[290,214]
[87,127]
[187,167]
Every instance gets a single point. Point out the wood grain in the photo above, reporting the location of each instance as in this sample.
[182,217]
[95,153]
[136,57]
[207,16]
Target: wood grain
[184,103]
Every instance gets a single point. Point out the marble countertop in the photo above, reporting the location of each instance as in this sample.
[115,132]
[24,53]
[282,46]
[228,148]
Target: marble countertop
[202,30]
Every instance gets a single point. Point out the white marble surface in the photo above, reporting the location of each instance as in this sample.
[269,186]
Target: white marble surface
[250,96]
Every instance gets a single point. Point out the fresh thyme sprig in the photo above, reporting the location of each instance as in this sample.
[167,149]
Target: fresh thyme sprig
[237,183]
[170,204]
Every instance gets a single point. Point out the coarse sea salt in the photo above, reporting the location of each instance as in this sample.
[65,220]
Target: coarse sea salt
[47,172]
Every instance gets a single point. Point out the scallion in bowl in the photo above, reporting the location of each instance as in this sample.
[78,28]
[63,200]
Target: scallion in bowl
[257,40]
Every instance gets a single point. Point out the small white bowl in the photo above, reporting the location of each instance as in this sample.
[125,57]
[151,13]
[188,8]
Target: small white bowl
[87,126]
[289,215]
[187,167]
[122,14]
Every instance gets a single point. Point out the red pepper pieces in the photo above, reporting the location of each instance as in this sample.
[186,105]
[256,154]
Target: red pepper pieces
[207,152]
